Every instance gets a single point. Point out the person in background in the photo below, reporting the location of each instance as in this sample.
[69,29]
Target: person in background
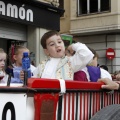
[104,67]
[59,66]
[16,64]
[3,75]
[91,72]
[116,75]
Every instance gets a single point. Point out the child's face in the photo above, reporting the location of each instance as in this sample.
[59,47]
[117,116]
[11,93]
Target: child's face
[55,47]
[18,57]
[2,60]
[94,61]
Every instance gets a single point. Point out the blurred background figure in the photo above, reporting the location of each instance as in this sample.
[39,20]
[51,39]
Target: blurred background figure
[104,67]
[3,75]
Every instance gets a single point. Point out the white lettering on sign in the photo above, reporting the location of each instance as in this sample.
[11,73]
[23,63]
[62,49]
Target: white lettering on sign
[15,12]
[110,53]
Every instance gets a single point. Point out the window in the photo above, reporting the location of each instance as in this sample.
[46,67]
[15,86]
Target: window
[93,6]
[61,5]
[104,5]
[83,10]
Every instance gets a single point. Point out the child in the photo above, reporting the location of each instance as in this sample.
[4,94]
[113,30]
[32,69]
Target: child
[16,65]
[58,65]
[3,75]
[91,72]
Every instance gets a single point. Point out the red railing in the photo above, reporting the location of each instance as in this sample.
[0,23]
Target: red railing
[80,102]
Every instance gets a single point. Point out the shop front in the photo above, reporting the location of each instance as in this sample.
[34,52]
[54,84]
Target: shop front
[25,21]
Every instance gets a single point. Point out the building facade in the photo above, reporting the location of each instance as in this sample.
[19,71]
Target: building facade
[97,24]
[25,21]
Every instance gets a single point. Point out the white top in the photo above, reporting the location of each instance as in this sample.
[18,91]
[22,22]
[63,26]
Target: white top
[32,68]
[104,73]
[4,80]
[50,68]
[81,58]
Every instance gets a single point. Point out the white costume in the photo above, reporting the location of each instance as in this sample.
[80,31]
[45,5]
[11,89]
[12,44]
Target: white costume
[5,78]
[64,68]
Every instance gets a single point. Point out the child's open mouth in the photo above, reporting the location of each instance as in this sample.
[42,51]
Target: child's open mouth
[58,50]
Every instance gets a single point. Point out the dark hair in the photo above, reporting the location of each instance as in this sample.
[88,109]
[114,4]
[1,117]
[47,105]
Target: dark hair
[104,67]
[46,36]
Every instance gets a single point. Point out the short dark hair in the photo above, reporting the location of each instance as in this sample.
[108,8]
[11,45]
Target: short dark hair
[46,36]
[104,67]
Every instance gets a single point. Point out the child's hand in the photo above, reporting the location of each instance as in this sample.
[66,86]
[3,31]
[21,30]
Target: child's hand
[71,51]
[21,75]
[109,84]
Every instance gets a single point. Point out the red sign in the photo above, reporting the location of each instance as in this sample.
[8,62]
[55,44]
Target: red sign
[110,53]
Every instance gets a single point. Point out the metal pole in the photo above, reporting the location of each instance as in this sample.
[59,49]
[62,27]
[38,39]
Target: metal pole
[9,79]
[111,66]
[25,78]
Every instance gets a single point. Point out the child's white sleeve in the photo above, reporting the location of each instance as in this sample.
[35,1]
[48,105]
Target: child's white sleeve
[81,58]
[32,68]
[36,72]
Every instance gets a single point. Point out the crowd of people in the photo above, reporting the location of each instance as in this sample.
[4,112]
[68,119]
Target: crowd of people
[76,62]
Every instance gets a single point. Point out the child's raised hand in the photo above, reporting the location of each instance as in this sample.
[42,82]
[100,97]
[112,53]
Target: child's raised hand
[70,49]
[21,75]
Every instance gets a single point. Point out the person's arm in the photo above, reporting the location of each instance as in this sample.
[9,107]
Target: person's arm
[32,71]
[32,68]
[37,72]
[111,85]
[21,75]
[81,57]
